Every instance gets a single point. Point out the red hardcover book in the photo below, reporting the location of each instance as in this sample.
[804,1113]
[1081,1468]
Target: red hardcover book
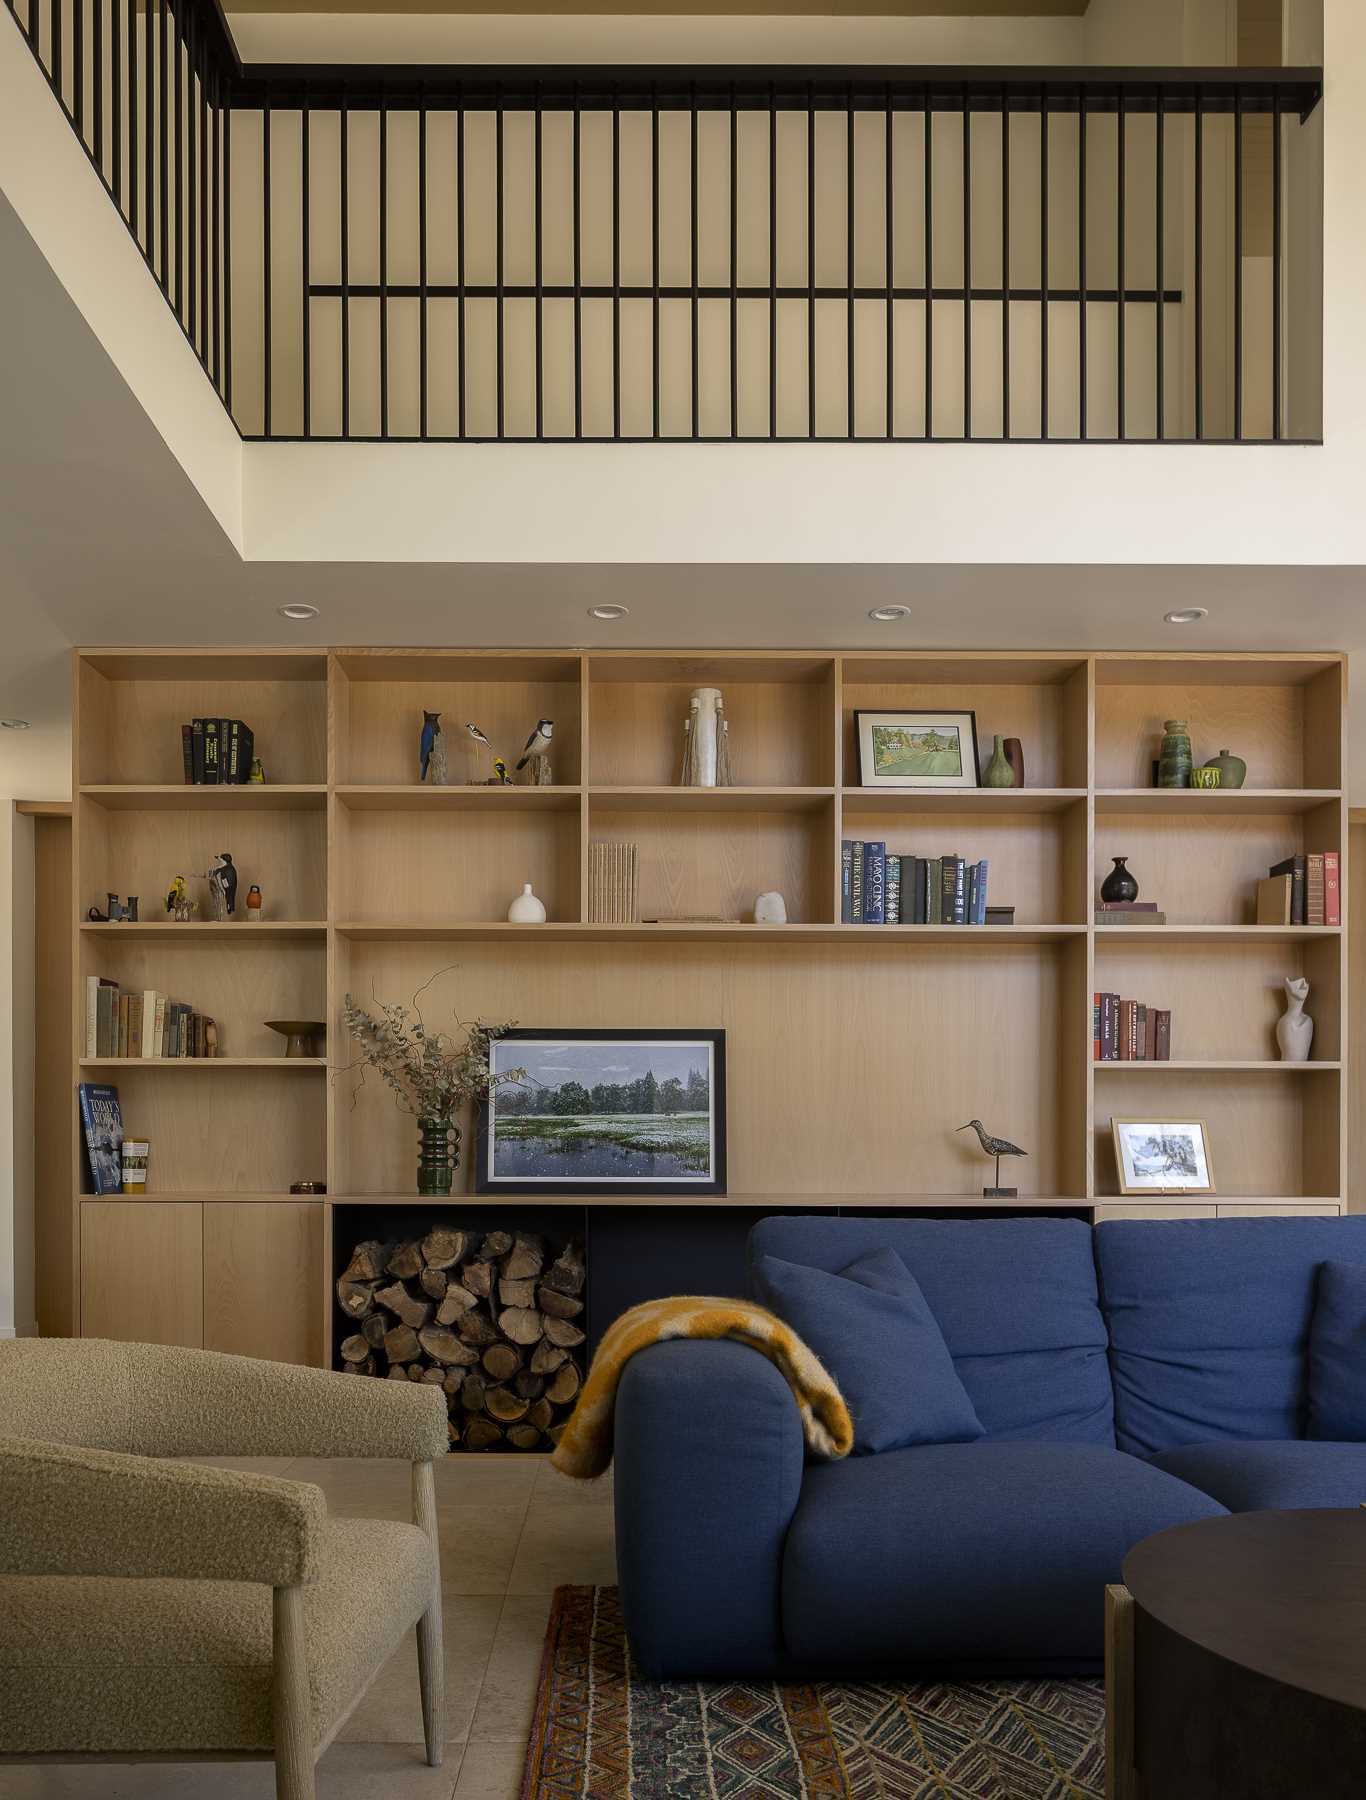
[1313,889]
[1332,890]
[1127,1009]
[1095,1027]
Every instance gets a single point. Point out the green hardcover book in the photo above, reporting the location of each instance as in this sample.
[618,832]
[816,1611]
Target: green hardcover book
[934,912]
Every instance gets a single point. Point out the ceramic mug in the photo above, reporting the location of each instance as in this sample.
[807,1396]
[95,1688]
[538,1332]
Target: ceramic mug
[1206,778]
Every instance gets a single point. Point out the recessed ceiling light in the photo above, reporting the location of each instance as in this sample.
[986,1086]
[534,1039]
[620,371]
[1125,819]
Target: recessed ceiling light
[298,611]
[1187,615]
[14,724]
[608,612]
[888,615]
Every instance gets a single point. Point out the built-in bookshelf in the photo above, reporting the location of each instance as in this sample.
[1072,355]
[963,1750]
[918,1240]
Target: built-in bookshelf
[854,1052]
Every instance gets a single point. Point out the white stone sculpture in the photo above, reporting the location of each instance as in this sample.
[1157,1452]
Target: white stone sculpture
[1294,1028]
[770,909]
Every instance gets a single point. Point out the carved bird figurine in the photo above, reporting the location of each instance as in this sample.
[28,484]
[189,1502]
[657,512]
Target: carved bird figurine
[431,731]
[993,1146]
[500,769]
[539,741]
[175,898]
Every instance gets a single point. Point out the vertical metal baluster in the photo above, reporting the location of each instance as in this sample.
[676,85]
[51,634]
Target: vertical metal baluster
[203,199]
[734,270]
[460,257]
[810,264]
[149,71]
[78,67]
[116,102]
[1081,263]
[1160,176]
[1043,263]
[1005,266]
[1199,264]
[384,267]
[164,135]
[967,264]
[344,172]
[929,269]
[654,247]
[1238,264]
[616,265]
[179,175]
[422,421]
[96,76]
[267,298]
[849,256]
[55,72]
[217,255]
[33,31]
[227,249]
[540,343]
[889,256]
[1121,174]
[133,118]
[305,196]
[498,240]
[772,262]
[191,192]
[578,268]
[693,227]
[1277,423]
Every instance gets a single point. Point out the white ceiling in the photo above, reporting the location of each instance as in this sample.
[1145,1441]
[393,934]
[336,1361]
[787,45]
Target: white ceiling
[104,540]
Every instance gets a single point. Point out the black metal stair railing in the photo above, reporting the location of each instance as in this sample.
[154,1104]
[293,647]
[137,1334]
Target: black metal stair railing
[704,254]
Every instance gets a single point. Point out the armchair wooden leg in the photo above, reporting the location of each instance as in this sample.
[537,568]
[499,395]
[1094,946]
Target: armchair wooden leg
[291,1706]
[431,1648]
[1121,1779]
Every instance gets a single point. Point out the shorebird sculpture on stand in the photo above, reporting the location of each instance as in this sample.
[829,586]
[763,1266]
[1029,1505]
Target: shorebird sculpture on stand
[997,1147]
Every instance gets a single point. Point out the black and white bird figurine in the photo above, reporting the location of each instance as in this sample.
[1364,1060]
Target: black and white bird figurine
[478,735]
[539,741]
[997,1147]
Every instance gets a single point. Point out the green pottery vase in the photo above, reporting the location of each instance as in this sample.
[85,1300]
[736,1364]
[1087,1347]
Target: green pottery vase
[438,1155]
[998,772]
[1232,769]
[1174,761]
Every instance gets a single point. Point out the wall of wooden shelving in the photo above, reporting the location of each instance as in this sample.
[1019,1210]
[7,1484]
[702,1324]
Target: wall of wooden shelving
[854,1051]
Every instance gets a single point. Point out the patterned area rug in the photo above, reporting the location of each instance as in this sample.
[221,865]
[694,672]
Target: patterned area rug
[602,1733]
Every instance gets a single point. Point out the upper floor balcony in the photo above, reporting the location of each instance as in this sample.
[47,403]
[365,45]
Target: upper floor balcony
[712,253]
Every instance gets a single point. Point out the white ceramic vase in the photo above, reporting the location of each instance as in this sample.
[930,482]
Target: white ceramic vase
[770,909]
[1294,1028]
[526,909]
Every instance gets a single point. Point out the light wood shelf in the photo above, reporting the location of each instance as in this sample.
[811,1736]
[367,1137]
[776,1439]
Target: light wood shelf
[376,885]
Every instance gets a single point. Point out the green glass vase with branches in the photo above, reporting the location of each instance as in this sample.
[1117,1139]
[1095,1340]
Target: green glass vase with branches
[432,1074]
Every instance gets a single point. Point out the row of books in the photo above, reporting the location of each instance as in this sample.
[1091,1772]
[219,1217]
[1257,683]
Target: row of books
[1302,890]
[216,752]
[1129,1031]
[143,1024]
[878,889]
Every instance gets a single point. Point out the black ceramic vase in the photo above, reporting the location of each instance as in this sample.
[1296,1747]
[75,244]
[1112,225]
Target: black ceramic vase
[1119,884]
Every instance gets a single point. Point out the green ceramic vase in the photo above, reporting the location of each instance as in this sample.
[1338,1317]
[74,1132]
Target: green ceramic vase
[1232,769]
[1174,761]
[998,772]
[438,1155]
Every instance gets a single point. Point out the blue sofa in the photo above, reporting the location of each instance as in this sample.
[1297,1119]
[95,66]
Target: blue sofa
[1129,1377]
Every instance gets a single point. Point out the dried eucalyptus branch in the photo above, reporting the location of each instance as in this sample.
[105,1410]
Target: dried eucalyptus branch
[431,1074]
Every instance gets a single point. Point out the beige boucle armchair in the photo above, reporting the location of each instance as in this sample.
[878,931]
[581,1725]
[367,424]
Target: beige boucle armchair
[156,1610]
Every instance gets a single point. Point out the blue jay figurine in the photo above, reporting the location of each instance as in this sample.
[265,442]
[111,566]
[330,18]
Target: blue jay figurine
[431,731]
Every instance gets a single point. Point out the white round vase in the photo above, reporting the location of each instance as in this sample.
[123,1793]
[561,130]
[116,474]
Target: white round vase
[526,909]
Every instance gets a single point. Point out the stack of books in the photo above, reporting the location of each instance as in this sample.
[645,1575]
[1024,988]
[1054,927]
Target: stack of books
[878,889]
[216,752]
[1129,1031]
[1129,912]
[1302,890]
[143,1024]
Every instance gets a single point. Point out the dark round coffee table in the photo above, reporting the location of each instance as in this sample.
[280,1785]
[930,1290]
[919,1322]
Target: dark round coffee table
[1245,1640]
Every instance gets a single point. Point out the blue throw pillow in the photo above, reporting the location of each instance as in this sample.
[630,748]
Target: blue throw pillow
[1337,1354]
[873,1329]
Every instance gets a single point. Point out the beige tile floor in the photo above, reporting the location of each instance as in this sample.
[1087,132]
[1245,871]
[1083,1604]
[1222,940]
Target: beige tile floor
[512,1531]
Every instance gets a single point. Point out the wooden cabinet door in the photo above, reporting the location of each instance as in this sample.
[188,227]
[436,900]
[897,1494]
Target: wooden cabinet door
[263,1279]
[142,1269]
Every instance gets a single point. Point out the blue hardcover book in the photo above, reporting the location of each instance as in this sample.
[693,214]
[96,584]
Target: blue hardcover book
[846,881]
[875,883]
[915,915]
[893,906]
[979,909]
[102,1123]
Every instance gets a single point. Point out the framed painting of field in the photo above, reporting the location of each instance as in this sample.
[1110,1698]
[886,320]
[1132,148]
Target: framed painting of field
[917,749]
[605,1112]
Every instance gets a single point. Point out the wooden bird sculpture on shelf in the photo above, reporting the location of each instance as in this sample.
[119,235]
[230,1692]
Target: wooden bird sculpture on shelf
[176,896]
[997,1147]
[431,731]
[539,741]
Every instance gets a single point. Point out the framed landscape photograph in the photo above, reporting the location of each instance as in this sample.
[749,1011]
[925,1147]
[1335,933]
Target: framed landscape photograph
[605,1112]
[917,749]
[1163,1157]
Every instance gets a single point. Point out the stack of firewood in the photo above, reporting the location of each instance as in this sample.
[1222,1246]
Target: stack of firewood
[485,1318]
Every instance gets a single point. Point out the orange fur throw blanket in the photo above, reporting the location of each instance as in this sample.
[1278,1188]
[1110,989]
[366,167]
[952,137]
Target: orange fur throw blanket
[585,1450]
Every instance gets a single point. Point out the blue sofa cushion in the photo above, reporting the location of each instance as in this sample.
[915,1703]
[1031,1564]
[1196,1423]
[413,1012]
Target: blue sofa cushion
[987,1553]
[1209,1324]
[1272,1477]
[1337,1354]
[872,1329]
[1015,1299]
